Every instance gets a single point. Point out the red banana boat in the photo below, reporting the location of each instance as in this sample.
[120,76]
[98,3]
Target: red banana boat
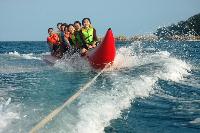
[98,57]
[104,53]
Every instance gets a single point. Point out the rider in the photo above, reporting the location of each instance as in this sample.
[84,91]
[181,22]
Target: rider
[77,25]
[88,34]
[53,41]
[75,39]
[66,34]
[72,38]
[64,42]
[58,28]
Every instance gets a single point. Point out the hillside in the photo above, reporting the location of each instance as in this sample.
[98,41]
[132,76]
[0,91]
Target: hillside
[190,27]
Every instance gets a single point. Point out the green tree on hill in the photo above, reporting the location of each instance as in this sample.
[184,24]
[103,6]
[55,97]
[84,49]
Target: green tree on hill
[188,27]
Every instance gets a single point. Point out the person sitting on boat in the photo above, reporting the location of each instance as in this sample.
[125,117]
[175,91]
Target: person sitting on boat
[53,41]
[75,39]
[72,37]
[66,34]
[63,40]
[59,28]
[88,34]
[77,26]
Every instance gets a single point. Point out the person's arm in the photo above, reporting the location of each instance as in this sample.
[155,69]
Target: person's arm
[95,35]
[70,42]
[95,39]
[50,45]
[81,36]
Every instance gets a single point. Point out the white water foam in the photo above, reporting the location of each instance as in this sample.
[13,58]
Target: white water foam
[98,108]
[7,113]
[29,56]
[99,105]
[9,66]
[73,63]
[46,53]
[124,58]
[196,121]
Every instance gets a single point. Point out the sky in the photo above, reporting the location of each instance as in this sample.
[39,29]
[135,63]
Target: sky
[28,20]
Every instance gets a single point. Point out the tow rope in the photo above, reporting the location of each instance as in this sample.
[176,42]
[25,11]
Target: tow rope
[55,112]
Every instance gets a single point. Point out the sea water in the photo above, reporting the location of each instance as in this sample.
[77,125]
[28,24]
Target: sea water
[152,87]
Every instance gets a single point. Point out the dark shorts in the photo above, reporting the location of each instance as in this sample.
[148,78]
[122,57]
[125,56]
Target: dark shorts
[55,47]
[64,48]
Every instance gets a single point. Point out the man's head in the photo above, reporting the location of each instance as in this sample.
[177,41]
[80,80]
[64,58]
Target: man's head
[50,31]
[71,28]
[62,27]
[59,25]
[77,25]
[65,24]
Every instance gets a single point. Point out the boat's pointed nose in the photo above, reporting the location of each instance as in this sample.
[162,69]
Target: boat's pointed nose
[108,39]
[105,52]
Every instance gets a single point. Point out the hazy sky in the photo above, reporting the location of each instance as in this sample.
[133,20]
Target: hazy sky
[29,19]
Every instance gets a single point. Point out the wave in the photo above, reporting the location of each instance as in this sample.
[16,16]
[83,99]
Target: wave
[7,113]
[73,63]
[29,56]
[12,63]
[196,121]
[105,106]
[106,100]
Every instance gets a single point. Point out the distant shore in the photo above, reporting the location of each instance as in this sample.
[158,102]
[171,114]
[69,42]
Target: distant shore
[152,37]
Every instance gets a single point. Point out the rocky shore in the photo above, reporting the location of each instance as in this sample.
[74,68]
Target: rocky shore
[188,30]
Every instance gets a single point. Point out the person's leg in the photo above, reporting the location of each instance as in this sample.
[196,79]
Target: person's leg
[83,51]
[61,51]
[56,52]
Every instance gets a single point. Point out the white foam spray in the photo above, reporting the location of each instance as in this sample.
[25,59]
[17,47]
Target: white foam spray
[102,103]
[73,63]
[29,56]
[7,113]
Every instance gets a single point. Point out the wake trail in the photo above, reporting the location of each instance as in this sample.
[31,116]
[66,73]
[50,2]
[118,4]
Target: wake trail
[132,76]
[48,118]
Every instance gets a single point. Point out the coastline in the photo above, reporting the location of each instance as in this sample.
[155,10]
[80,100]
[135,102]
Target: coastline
[125,39]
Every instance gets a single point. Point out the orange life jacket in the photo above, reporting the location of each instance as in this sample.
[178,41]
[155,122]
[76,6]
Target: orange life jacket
[53,39]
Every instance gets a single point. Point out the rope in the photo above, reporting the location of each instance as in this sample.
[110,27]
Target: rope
[49,117]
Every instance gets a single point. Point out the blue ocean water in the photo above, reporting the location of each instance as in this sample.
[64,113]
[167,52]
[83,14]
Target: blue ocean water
[152,87]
